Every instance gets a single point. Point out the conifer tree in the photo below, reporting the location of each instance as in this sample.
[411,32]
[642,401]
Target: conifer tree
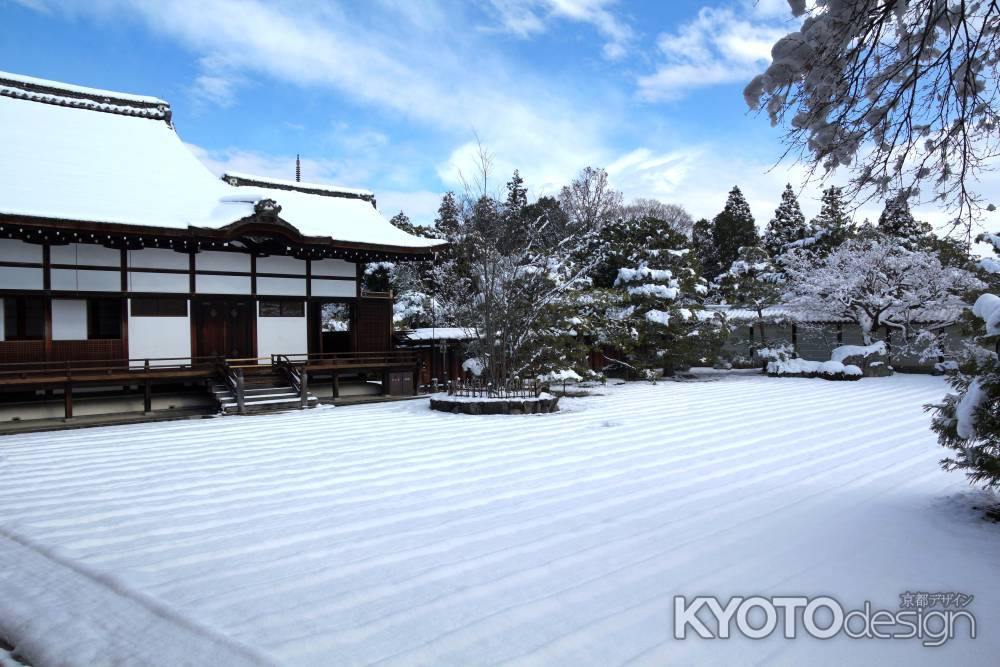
[833,225]
[787,225]
[449,217]
[704,248]
[733,229]
[752,282]
[897,221]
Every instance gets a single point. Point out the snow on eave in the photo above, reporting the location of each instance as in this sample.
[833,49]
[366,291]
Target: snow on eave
[239,179]
[43,91]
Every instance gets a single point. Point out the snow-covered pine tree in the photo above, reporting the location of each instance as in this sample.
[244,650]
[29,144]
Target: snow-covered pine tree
[897,221]
[752,282]
[833,225]
[660,295]
[968,421]
[733,229]
[704,248]
[787,225]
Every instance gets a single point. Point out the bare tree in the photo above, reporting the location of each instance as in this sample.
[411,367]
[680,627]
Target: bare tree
[675,216]
[590,201]
[904,93]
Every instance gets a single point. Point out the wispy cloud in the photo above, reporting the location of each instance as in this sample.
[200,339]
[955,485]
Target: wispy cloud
[721,45]
[525,18]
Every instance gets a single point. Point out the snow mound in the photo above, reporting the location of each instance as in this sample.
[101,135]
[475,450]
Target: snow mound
[806,368]
[845,351]
[564,375]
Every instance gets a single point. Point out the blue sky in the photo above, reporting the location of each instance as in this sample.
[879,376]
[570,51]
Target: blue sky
[390,94]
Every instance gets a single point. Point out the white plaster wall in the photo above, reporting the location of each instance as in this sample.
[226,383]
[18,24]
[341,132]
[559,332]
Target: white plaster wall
[64,279]
[158,337]
[12,250]
[334,287]
[158,282]
[209,284]
[157,258]
[19,277]
[281,286]
[69,319]
[334,267]
[84,253]
[86,281]
[222,261]
[281,335]
[281,264]
[98,281]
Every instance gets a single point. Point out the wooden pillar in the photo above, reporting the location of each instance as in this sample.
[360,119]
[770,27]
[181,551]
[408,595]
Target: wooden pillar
[68,400]
[304,390]
[336,384]
[147,397]
[416,382]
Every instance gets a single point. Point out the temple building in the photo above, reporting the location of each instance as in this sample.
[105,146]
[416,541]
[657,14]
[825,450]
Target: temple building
[125,262]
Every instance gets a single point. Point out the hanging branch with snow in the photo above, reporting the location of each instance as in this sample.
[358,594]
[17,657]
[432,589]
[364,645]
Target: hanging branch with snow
[902,92]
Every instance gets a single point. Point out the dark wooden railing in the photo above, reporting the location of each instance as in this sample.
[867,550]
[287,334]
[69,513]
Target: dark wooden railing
[64,375]
[350,360]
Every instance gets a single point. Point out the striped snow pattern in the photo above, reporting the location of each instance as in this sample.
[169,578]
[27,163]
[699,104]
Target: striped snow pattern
[390,534]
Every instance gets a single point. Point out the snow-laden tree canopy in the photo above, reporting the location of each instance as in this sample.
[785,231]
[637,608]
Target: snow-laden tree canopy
[875,282]
[902,92]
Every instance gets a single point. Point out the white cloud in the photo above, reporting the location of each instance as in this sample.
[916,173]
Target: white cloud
[525,18]
[721,45]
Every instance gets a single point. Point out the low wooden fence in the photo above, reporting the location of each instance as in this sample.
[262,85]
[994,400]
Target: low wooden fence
[513,388]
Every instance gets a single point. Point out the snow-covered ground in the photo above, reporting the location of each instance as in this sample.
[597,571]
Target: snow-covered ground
[390,533]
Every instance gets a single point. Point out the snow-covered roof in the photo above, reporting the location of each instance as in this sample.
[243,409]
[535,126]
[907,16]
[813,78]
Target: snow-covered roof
[83,154]
[439,333]
[793,314]
[343,216]
[102,164]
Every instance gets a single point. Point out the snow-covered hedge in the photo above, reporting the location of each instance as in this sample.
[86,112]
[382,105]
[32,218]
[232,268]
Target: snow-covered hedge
[828,370]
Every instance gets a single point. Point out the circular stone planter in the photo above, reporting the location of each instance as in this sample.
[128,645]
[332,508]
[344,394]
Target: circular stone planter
[495,406]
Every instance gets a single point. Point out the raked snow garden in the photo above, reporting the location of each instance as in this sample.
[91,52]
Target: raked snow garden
[393,534]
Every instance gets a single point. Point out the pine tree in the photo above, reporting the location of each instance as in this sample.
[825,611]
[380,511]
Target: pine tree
[787,225]
[968,421]
[833,225]
[449,217]
[733,229]
[897,221]
[661,296]
[752,282]
[517,195]
[704,248]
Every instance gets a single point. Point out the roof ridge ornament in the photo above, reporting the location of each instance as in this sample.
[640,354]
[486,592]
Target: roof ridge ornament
[267,208]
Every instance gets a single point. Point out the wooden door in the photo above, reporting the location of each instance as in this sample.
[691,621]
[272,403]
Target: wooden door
[224,328]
